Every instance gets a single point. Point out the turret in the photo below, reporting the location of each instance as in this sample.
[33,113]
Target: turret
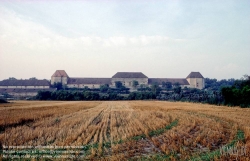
[196,80]
[60,76]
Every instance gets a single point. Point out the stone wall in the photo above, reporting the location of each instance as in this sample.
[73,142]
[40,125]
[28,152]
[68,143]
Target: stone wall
[196,82]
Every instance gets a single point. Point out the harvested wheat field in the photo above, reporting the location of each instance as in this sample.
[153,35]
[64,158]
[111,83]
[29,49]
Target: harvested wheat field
[122,130]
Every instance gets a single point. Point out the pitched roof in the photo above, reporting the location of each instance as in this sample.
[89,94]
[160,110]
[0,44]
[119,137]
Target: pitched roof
[60,73]
[181,81]
[129,75]
[89,81]
[195,75]
[24,83]
[27,90]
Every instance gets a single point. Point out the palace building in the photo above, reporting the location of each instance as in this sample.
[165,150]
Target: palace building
[23,88]
[193,80]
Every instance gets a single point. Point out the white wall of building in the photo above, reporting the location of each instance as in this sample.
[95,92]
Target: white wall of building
[196,82]
[83,85]
[128,82]
[63,80]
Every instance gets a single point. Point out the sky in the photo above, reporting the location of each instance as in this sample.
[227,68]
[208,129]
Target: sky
[97,38]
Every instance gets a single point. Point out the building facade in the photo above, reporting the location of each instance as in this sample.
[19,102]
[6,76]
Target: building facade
[24,88]
[193,80]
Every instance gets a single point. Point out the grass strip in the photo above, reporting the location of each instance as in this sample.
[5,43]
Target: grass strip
[162,130]
[217,153]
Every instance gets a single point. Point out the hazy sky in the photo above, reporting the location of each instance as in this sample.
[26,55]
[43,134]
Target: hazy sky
[97,38]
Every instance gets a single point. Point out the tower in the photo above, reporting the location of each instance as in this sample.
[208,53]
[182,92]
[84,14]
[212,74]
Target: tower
[196,80]
[60,76]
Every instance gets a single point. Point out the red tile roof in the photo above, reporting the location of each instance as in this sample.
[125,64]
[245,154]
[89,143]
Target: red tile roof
[60,73]
[195,75]
[129,75]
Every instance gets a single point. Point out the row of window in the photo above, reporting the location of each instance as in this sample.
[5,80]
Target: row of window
[82,85]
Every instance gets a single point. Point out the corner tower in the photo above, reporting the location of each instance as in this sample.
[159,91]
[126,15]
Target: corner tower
[196,80]
[60,76]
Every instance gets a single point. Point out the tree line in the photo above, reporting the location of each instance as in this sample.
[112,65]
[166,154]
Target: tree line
[229,92]
[238,94]
[67,95]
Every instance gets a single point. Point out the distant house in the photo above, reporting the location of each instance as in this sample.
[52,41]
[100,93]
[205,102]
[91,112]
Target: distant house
[193,80]
[23,88]
[196,80]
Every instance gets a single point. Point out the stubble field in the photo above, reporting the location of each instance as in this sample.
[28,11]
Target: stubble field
[135,130]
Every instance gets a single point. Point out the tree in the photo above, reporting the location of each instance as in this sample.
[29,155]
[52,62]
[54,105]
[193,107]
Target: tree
[177,90]
[88,95]
[12,78]
[177,84]
[113,96]
[245,77]
[43,95]
[33,78]
[142,86]
[57,85]
[163,84]
[168,85]
[104,88]
[118,84]
[155,88]
[135,83]
[238,94]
